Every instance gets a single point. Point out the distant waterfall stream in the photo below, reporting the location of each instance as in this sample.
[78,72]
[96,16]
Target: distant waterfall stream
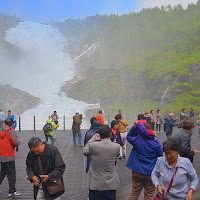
[42,71]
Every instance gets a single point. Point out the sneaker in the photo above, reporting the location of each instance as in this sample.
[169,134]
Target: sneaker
[124,156]
[17,193]
[80,145]
[120,157]
[74,145]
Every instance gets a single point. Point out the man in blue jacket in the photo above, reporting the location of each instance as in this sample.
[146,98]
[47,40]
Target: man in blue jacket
[95,125]
[169,124]
[11,116]
[142,160]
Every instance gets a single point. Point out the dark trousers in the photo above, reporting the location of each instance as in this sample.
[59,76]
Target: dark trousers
[158,127]
[153,125]
[102,195]
[8,169]
[1,124]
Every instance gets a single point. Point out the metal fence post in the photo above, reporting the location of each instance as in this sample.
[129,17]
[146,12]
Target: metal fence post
[19,123]
[34,123]
[108,119]
[64,122]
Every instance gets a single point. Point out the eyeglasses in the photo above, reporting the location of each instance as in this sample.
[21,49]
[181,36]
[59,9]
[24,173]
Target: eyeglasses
[169,154]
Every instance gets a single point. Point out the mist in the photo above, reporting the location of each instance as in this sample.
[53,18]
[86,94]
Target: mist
[41,69]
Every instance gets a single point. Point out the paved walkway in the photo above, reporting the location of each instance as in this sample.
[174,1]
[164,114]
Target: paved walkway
[75,177]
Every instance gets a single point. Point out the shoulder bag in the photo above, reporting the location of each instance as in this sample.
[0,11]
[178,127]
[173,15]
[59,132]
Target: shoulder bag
[157,196]
[52,187]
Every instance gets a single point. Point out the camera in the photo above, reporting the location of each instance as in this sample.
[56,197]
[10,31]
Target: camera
[40,178]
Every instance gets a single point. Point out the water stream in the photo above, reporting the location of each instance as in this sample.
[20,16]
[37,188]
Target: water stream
[42,71]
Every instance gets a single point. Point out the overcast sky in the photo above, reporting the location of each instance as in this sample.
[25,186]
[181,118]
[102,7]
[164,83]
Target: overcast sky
[44,10]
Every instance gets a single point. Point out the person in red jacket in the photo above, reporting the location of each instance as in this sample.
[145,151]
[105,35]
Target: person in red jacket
[8,143]
[100,117]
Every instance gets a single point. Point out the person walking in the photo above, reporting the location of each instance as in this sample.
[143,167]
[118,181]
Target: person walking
[192,114]
[48,129]
[153,119]
[89,134]
[11,116]
[44,165]
[100,117]
[8,143]
[116,136]
[147,117]
[183,115]
[55,118]
[123,117]
[182,171]
[76,128]
[183,138]
[103,175]
[2,118]
[146,149]
[159,121]
[169,124]
[123,132]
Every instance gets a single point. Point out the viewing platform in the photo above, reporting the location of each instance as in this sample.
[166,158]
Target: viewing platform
[75,178]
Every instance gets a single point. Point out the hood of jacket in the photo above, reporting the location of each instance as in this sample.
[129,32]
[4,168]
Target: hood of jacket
[49,121]
[5,129]
[143,131]
[96,125]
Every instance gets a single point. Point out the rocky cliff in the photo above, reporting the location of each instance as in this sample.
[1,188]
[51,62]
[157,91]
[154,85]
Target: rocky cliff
[16,100]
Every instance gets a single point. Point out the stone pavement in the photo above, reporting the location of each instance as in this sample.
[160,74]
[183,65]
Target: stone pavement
[75,177]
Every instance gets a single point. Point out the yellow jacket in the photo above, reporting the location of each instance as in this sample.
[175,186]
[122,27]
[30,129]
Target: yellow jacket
[122,126]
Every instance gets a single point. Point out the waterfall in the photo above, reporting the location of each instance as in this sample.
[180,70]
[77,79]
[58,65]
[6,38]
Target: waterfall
[43,69]
[164,94]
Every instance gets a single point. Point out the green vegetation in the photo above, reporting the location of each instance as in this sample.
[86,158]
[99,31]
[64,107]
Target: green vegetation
[142,54]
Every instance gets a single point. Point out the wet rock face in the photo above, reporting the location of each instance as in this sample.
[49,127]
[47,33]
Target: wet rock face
[107,86]
[16,100]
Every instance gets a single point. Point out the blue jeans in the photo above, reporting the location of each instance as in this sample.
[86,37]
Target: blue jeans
[51,138]
[102,195]
[79,137]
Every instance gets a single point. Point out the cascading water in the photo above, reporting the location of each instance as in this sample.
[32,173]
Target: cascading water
[43,69]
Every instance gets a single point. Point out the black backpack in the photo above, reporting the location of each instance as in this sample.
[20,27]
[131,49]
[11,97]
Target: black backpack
[165,127]
[47,127]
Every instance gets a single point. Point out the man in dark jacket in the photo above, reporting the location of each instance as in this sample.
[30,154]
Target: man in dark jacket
[169,124]
[192,114]
[184,139]
[95,125]
[52,165]
[8,143]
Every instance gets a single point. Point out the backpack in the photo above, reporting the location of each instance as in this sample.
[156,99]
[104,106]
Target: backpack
[47,127]
[165,127]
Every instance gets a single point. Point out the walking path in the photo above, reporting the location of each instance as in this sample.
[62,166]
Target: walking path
[75,177]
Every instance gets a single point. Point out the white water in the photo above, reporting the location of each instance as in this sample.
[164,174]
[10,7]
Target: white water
[42,71]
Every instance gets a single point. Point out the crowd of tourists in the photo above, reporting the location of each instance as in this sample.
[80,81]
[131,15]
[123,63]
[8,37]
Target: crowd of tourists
[163,171]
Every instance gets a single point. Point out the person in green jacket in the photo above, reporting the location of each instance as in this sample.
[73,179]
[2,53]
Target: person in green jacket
[49,133]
